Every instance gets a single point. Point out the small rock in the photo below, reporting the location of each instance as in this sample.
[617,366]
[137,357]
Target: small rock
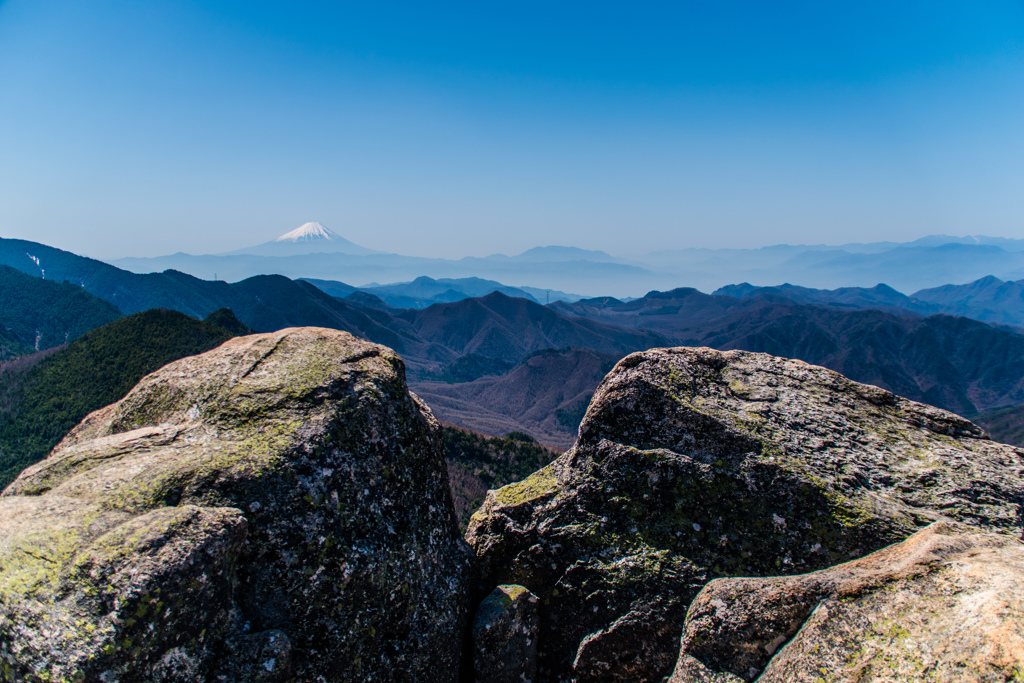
[505,636]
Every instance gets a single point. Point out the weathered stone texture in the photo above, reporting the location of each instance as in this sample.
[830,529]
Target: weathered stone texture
[505,637]
[693,464]
[944,605]
[277,507]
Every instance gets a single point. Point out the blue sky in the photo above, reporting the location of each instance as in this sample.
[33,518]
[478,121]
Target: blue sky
[145,128]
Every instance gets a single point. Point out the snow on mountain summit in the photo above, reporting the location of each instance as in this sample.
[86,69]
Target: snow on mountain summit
[309,232]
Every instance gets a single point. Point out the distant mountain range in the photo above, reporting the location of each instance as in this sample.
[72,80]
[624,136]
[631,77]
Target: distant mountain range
[499,363]
[313,251]
[989,298]
[425,291]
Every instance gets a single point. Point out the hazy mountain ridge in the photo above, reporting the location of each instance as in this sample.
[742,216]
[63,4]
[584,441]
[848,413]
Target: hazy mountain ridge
[955,363]
[928,262]
[988,299]
[425,291]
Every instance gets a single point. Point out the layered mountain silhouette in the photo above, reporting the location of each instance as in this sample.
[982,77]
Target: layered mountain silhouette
[936,359]
[988,298]
[472,357]
[313,251]
[425,291]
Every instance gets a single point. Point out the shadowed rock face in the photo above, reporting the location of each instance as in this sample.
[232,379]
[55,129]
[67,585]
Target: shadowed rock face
[275,507]
[693,464]
[944,605]
[505,637]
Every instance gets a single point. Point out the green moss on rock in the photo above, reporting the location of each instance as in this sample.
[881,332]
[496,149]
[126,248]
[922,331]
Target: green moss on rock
[232,494]
[693,464]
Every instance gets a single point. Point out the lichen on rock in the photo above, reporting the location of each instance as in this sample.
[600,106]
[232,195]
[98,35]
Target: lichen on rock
[945,605]
[693,464]
[283,493]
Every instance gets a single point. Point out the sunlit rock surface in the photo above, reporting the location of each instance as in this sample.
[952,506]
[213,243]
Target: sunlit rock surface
[693,464]
[944,605]
[276,508]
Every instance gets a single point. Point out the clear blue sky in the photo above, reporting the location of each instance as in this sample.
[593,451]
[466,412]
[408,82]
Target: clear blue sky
[150,127]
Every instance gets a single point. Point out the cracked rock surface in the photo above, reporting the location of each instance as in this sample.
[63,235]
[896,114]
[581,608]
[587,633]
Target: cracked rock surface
[693,464]
[945,605]
[276,508]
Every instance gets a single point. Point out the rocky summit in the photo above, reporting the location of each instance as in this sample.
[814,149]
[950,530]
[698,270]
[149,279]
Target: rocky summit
[275,509]
[278,509]
[693,464]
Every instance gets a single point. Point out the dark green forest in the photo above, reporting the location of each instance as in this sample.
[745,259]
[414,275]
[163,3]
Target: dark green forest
[477,462]
[42,398]
[41,314]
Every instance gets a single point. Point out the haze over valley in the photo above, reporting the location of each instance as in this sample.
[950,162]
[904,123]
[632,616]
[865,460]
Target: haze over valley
[497,359]
[322,254]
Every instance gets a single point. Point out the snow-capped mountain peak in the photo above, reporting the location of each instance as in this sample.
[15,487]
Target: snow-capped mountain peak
[309,232]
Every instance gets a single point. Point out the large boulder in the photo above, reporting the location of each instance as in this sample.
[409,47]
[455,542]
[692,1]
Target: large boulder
[945,605]
[275,509]
[693,464]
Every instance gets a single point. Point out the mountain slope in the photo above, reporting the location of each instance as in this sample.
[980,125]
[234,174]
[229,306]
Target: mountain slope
[478,462]
[989,299]
[41,314]
[129,292]
[955,363]
[545,395]
[498,326]
[10,347]
[95,370]
[1004,424]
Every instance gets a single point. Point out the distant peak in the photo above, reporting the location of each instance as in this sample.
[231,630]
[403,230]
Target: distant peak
[309,232]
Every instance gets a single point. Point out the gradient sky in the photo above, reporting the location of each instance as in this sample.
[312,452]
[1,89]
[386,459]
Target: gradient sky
[146,128]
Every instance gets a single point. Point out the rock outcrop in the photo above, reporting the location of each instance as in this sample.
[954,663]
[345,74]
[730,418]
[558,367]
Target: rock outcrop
[505,637]
[693,464]
[945,605]
[276,508]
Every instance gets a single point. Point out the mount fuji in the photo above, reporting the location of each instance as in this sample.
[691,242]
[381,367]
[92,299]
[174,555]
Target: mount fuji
[308,238]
